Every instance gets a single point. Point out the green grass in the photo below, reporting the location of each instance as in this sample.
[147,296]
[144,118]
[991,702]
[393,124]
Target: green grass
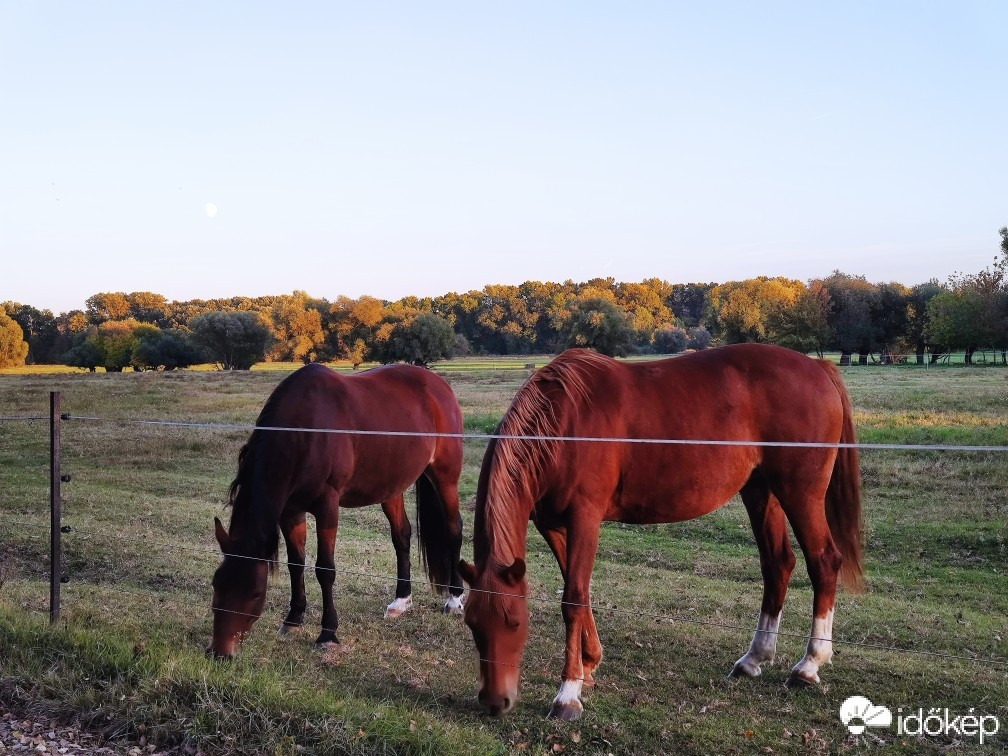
[141,553]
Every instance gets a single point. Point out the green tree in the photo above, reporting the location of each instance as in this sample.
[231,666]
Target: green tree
[234,340]
[165,349]
[84,351]
[419,341]
[601,325]
[853,329]
[699,338]
[669,340]
[116,339]
[13,347]
[802,325]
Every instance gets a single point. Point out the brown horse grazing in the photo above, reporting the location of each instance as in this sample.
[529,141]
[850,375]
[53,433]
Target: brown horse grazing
[735,393]
[284,475]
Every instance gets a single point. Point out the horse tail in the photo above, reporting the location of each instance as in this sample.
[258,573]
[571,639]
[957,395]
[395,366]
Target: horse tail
[434,535]
[843,497]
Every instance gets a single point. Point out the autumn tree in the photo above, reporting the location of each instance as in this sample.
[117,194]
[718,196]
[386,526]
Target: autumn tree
[39,329]
[107,306]
[148,307]
[13,347]
[741,310]
[296,328]
[352,327]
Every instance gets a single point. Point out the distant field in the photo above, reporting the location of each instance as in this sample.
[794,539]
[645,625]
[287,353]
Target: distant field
[141,553]
[492,362]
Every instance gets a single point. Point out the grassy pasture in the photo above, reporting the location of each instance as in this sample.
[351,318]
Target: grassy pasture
[141,553]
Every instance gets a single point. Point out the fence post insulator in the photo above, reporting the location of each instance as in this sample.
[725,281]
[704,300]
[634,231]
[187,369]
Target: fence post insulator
[65,478]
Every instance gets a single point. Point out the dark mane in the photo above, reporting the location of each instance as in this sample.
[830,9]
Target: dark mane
[253,521]
[518,463]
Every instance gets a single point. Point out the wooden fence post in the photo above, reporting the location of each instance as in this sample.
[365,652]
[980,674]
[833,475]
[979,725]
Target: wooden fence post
[55,547]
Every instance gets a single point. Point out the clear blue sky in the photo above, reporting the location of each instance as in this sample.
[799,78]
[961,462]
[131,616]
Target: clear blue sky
[390,148]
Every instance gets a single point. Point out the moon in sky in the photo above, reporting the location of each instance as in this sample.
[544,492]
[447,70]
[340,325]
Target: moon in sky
[211,210]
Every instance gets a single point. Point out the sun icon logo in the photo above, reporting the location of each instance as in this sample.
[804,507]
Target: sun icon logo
[857,712]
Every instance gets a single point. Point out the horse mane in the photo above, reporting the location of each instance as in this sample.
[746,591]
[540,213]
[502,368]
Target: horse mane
[251,509]
[519,464]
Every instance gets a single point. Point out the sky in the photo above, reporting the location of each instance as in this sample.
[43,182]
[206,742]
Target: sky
[420,148]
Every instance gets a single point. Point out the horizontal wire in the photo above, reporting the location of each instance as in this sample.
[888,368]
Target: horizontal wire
[593,607]
[994,661]
[626,612]
[509,437]
[6,419]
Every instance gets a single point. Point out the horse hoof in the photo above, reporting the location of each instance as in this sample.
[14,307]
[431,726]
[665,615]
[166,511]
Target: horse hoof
[454,605]
[323,646]
[327,639]
[566,712]
[745,668]
[399,607]
[798,679]
[289,627]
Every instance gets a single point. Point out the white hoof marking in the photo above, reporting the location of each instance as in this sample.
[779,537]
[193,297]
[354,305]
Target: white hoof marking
[820,648]
[570,692]
[454,605]
[398,607]
[762,648]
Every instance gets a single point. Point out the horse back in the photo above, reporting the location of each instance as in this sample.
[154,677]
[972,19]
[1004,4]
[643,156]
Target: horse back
[358,460]
[736,393]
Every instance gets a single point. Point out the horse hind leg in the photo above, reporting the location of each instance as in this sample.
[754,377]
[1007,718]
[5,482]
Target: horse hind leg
[399,524]
[777,560]
[807,516]
[327,522]
[439,484]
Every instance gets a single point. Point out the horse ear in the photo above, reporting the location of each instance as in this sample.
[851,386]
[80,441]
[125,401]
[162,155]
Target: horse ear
[222,535]
[515,572]
[467,571]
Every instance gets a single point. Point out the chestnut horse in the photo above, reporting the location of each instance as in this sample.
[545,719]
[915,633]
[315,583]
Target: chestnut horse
[747,392]
[284,475]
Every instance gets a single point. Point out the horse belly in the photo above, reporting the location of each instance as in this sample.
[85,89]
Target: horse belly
[665,488]
[380,474]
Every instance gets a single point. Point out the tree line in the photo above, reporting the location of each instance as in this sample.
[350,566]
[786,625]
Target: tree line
[887,321]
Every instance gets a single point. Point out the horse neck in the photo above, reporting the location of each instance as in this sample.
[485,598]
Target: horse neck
[502,528]
[254,519]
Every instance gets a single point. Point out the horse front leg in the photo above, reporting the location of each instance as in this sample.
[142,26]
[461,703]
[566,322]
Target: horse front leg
[591,647]
[295,532]
[395,511]
[582,657]
[327,522]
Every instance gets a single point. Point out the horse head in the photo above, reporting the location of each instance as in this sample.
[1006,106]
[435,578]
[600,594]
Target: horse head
[239,595]
[497,614]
